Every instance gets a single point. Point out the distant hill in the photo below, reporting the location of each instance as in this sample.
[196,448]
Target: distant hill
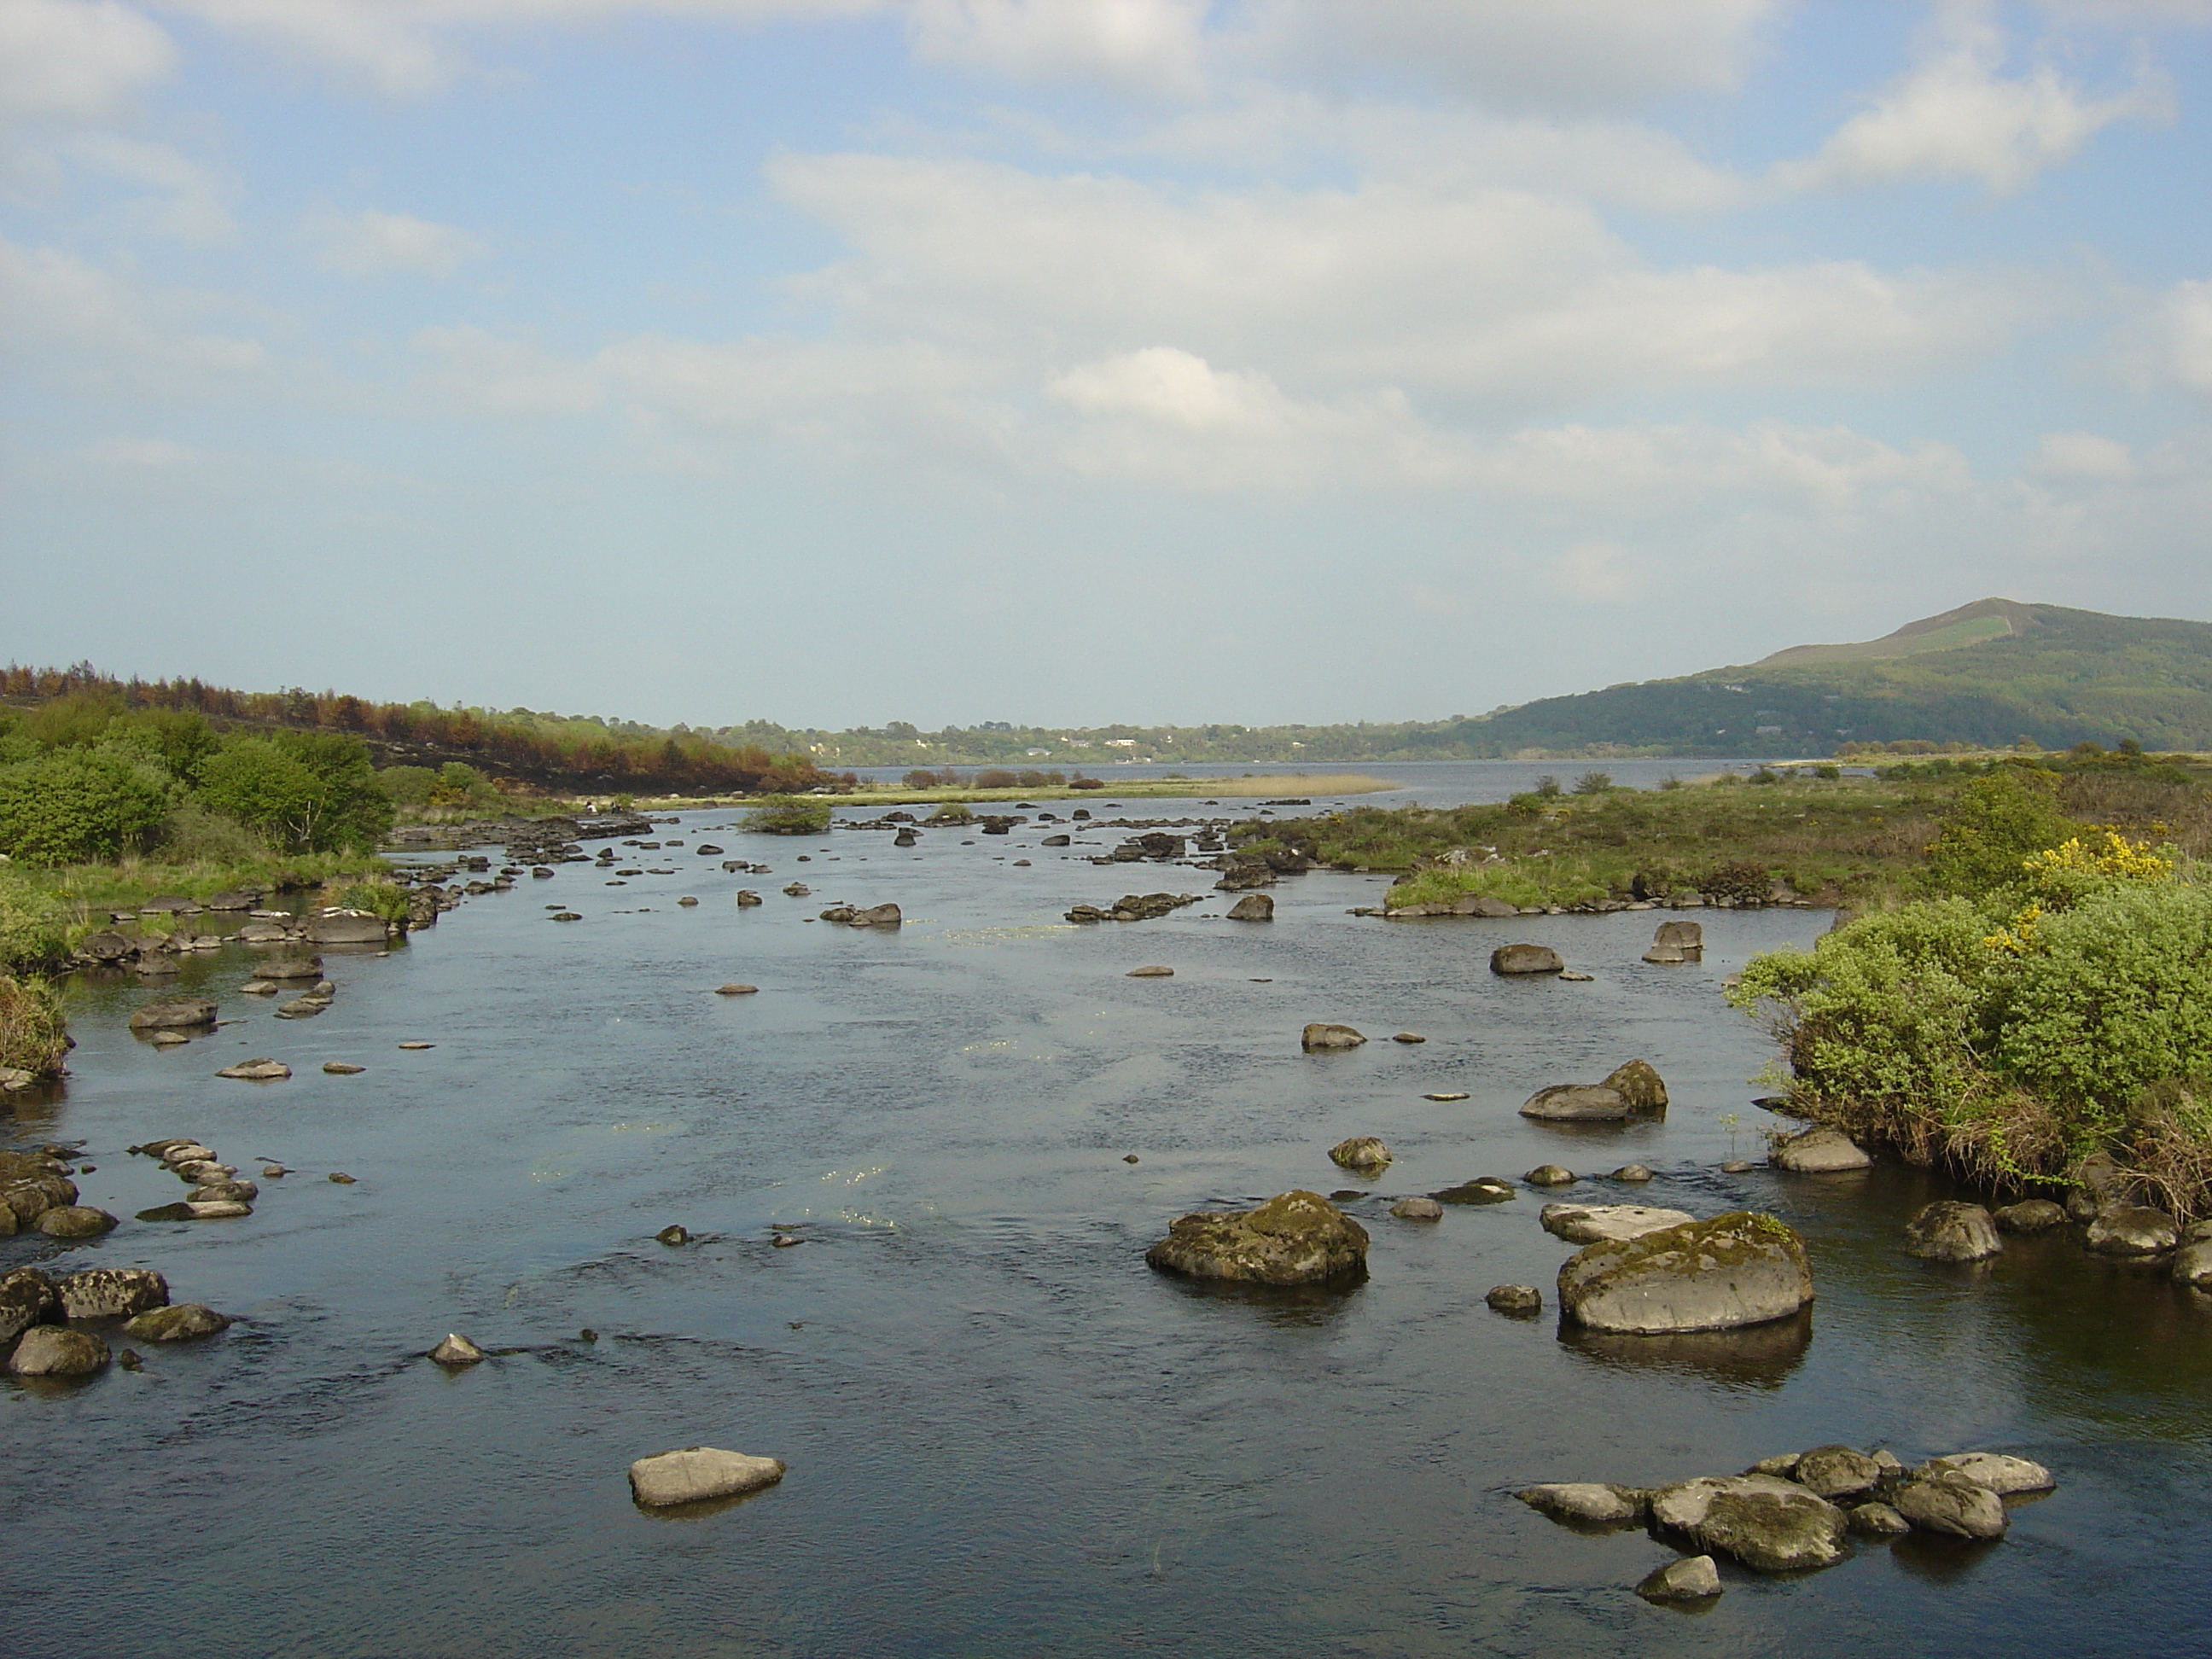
[1988,673]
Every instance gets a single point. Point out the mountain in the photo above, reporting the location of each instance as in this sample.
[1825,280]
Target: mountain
[1987,673]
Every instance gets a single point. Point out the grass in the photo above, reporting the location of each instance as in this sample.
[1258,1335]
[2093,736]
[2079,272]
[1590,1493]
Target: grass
[33,1036]
[1852,840]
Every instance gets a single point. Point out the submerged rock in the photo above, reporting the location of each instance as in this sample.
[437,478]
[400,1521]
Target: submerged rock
[1483,1189]
[1520,1300]
[1588,1503]
[1586,1224]
[1877,1521]
[177,1013]
[1735,1269]
[1297,1237]
[1951,1231]
[1322,1036]
[1549,1175]
[258,1070]
[456,1351]
[1577,1102]
[180,1323]
[697,1473]
[1417,1209]
[2002,1473]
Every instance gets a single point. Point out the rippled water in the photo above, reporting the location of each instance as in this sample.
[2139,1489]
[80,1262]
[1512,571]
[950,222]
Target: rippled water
[1004,1434]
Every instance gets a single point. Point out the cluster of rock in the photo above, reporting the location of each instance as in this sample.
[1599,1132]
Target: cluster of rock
[218,1191]
[1133,907]
[1792,1513]
[36,1193]
[1155,844]
[873,915]
[1480,905]
[1633,1090]
[40,1318]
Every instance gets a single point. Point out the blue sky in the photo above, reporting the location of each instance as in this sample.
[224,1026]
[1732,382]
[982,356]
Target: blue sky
[837,361]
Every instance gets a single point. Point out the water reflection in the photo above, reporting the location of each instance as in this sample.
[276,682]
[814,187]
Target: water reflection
[1751,1357]
[1288,1306]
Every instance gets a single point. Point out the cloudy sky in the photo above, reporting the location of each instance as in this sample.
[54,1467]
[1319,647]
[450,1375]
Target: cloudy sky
[848,361]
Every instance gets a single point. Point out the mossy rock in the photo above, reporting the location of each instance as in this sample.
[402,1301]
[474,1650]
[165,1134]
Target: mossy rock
[1297,1237]
[1735,1269]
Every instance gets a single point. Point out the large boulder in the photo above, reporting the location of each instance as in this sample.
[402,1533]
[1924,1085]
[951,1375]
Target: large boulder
[2132,1230]
[76,1221]
[1296,1238]
[2002,1473]
[1525,959]
[111,1292]
[1767,1523]
[347,927]
[1639,1084]
[698,1473]
[1951,1231]
[180,1323]
[27,1298]
[25,1198]
[174,1014]
[2033,1215]
[1586,1224]
[1735,1269]
[1577,1102]
[1835,1472]
[1253,907]
[1363,1153]
[1681,935]
[57,1351]
[1318,1037]
[875,915]
[1948,1501]
[1820,1151]
[291,967]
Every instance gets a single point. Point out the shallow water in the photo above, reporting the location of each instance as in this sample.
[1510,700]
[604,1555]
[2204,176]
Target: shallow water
[1004,1434]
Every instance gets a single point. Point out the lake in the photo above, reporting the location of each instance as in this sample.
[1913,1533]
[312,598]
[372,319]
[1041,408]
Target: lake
[1005,1435]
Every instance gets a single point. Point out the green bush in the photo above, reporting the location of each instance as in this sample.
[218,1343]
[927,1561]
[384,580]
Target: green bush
[951,812]
[31,930]
[379,898]
[788,815]
[407,786]
[75,805]
[303,791]
[194,833]
[33,1036]
[1994,822]
[1593,783]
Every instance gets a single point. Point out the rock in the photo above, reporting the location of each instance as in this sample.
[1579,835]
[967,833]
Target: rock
[687,903]
[346,927]
[169,1039]
[1586,1224]
[1682,935]
[1549,1175]
[1318,1037]
[734,989]
[110,1292]
[1833,1471]
[1154,971]
[1637,1083]
[2003,1474]
[197,1210]
[339,1178]
[27,1298]
[1951,1231]
[180,1323]
[877,915]
[2131,1230]
[1417,1209]
[1692,1579]
[1819,1150]
[456,1351]
[1770,1525]
[258,988]
[674,1233]
[342,1068]
[1408,1037]
[1577,1102]
[225,1192]
[2192,1264]
[1632,1172]
[303,1007]
[1666,955]
[1877,1521]
[178,1153]
[292,968]
[1735,1269]
[258,1070]
[57,1350]
[1447,1094]
[1588,1503]
[1570,976]
[1947,1501]
[1297,1237]
[179,1013]
[74,1221]
[418,1045]
[106,945]
[1525,959]
[2033,1215]
[1253,907]
[1736,1166]
[1521,1300]
[27,1198]
[1363,1153]
[747,899]
[698,1473]
[274,1172]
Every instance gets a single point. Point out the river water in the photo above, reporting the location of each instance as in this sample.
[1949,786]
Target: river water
[1005,1435]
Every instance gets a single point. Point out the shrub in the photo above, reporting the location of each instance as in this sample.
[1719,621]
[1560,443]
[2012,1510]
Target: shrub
[379,898]
[1593,783]
[1547,786]
[921,777]
[75,805]
[786,815]
[1996,822]
[1079,781]
[192,834]
[30,924]
[951,811]
[994,778]
[304,791]
[33,1037]
[407,786]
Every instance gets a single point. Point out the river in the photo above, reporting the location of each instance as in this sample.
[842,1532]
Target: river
[1005,1435]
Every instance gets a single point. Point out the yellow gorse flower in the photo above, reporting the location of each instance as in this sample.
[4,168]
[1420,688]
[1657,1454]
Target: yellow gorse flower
[2116,855]
[2017,937]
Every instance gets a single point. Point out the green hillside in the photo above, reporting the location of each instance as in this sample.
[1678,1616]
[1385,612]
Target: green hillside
[1988,674]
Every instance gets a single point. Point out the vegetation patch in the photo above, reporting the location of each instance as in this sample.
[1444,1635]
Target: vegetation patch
[33,1036]
[786,815]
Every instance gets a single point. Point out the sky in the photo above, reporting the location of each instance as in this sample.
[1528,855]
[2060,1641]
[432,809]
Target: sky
[1067,361]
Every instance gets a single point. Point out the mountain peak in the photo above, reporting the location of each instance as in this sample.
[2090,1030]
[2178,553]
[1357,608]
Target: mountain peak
[1969,624]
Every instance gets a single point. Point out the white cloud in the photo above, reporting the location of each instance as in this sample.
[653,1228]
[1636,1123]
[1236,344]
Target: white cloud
[374,243]
[1595,572]
[1516,54]
[192,203]
[1503,300]
[2083,457]
[90,328]
[1152,48]
[480,373]
[1955,117]
[79,60]
[2180,337]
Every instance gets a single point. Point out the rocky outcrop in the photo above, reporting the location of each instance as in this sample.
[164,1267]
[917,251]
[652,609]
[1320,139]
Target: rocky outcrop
[1512,959]
[1735,1269]
[1819,1150]
[1133,907]
[1951,1231]
[1297,1237]
[696,1474]
[1588,1223]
